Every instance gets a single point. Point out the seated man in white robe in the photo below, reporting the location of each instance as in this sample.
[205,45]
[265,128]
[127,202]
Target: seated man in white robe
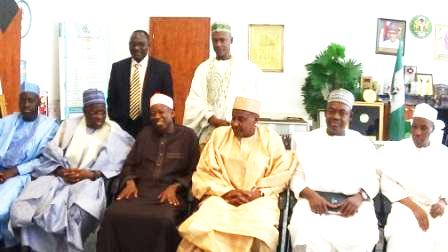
[22,137]
[58,210]
[414,180]
[241,172]
[334,185]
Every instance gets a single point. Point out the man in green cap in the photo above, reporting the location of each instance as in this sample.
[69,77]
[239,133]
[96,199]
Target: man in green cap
[216,83]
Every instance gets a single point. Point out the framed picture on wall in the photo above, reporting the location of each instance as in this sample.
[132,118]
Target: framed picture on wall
[389,32]
[266,47]
[441,42]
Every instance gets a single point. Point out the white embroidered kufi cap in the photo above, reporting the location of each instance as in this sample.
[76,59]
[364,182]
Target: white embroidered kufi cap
[341,95]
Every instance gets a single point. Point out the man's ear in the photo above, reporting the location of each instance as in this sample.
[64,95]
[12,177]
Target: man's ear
[231,39]
[173,114]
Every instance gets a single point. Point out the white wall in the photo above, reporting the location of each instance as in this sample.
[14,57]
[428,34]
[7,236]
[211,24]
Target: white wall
[310,26]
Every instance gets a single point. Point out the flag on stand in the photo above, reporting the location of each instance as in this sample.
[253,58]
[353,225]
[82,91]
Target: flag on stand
[397,99]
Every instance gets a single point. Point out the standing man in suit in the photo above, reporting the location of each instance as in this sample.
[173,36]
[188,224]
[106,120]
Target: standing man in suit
[133,81]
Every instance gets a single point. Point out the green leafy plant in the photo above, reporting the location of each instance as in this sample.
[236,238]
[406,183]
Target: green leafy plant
[330,70]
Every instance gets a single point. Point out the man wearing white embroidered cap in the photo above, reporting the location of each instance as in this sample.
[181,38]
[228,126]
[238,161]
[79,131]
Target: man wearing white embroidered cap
[416,186]
[216,83]
[334,185]
[155,181]
[343,96]
[242,170]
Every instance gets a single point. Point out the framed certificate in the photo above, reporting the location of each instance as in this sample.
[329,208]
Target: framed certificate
[266,47]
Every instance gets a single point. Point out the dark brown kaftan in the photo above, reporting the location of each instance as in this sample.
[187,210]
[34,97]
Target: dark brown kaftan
[144,224]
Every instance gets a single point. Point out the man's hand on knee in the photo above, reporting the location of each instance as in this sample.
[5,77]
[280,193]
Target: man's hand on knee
[8,173]
[129,191]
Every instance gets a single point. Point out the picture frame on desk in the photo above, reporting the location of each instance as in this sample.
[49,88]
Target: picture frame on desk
[368,119]
[425,85]
[409,74]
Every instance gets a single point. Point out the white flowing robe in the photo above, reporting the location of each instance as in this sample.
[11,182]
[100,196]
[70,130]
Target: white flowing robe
[56,216]
[421,175]
[338,164]
[214,87]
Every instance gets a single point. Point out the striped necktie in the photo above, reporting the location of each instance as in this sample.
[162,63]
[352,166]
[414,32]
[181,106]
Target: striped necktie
[135,94]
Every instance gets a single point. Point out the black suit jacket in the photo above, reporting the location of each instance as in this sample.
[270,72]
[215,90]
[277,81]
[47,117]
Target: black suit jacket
[157,80]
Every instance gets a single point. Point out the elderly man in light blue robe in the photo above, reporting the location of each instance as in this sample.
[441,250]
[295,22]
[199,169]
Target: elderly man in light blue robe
[57,211]
[22,137]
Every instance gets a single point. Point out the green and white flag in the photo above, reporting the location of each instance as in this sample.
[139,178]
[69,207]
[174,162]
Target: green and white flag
[396,118]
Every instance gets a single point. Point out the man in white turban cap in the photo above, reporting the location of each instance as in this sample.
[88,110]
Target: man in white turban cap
[414,180]
[156,180]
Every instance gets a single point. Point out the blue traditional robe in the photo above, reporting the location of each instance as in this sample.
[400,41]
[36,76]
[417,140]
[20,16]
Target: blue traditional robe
[56,216]
[21,142]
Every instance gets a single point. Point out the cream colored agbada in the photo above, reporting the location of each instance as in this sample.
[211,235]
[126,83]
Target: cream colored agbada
[229,163]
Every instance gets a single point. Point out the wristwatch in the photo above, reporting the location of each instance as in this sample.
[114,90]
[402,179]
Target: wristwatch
[96,175]
[364,195]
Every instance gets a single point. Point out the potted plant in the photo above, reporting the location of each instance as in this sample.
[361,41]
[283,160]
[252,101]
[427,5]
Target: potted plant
[330,70]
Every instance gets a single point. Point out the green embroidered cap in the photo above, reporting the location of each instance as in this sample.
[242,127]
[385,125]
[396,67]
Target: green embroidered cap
[221,27]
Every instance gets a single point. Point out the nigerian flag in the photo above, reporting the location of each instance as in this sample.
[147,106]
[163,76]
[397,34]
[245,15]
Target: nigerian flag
[396,119]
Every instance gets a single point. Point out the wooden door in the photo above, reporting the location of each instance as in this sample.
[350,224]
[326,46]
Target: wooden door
[182,42]
[10,63]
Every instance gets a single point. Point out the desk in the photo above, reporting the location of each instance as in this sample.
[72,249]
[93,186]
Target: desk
[285,128]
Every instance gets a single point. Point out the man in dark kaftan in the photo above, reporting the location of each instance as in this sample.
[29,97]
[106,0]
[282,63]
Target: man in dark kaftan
[155,181]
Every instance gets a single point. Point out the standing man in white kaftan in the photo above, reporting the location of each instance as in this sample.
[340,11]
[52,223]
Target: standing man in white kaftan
[240,174]
[57,211]
[22,137]
[334,185]
[414,179]
[216,83]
